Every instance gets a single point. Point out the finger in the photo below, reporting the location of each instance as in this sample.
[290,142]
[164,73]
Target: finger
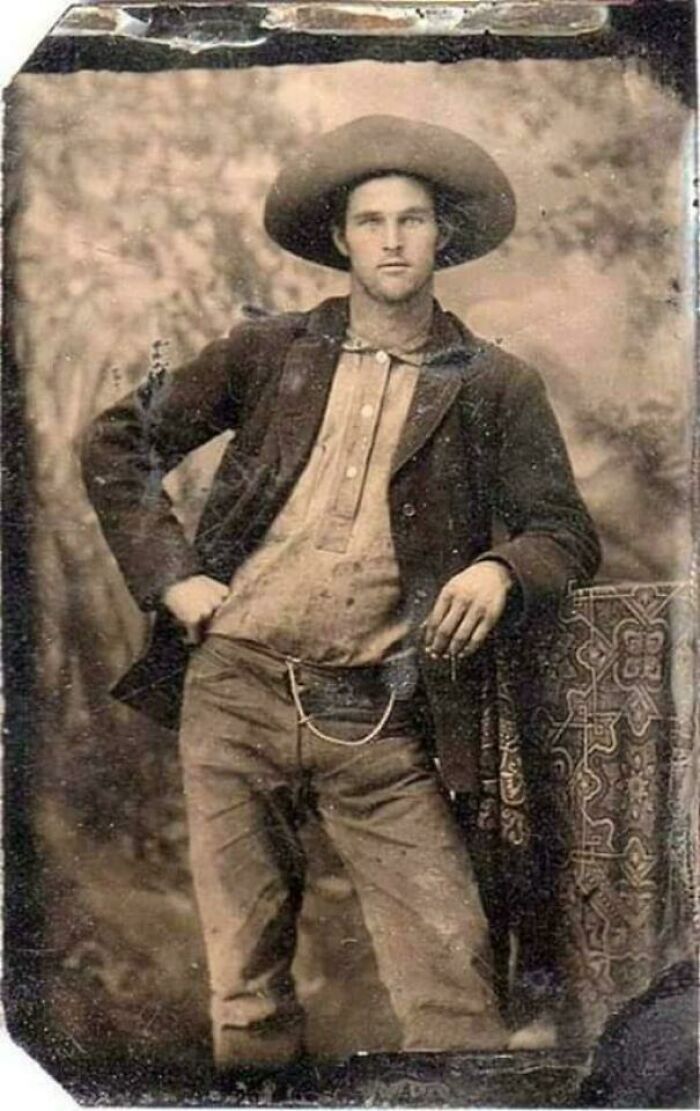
[221,599]
[463,634]
[476,638]
[447,627]
[207,616]
[211,608]
[438,612]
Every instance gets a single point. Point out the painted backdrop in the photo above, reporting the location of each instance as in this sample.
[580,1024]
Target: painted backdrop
[136,236]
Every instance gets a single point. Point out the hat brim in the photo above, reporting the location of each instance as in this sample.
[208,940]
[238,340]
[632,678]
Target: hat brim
[476,198]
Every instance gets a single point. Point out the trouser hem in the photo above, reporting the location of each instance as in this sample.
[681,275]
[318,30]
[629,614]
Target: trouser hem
[246,1047]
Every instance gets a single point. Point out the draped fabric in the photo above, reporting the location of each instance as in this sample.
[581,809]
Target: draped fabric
[588,808]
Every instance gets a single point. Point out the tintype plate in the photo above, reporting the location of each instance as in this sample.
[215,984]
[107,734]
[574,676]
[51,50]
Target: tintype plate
[141,143]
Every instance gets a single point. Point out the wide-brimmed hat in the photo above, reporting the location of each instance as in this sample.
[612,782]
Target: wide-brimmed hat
[473,190]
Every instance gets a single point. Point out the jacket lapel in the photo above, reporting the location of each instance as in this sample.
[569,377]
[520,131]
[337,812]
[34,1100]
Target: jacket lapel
[439,382]
[305,385]
[308,374]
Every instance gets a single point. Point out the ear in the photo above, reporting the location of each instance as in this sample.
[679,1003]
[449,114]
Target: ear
[339,241]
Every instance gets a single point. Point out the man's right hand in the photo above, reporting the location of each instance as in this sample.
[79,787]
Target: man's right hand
[193,602]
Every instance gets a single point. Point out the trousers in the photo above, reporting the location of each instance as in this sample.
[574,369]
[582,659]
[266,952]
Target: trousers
[248,761]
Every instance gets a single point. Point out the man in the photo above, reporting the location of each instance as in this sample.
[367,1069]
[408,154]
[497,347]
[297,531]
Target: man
[344,581]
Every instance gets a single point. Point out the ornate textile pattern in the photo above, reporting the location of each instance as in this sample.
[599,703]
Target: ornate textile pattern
[503,807]
[507,830]
[615,718]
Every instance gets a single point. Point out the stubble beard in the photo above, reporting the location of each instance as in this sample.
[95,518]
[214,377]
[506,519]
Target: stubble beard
[385,297]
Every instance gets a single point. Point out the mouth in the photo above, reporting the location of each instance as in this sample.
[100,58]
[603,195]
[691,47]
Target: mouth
[393,266]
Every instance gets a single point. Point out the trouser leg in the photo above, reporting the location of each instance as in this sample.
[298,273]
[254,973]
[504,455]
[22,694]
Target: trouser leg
[485,852]
[237,745]
[384,809]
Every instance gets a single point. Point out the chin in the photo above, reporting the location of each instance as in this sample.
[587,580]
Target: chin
[391,291]
[394,296]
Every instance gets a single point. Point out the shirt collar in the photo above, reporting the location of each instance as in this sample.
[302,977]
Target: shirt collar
[414,354]
[450,341]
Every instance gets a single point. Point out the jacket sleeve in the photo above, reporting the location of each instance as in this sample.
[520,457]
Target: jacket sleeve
[552,543]
[128,450]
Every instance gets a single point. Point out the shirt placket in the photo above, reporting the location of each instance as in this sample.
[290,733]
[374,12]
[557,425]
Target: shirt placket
[336,526]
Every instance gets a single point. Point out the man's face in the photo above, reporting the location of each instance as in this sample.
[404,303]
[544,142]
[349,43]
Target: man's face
[390,237]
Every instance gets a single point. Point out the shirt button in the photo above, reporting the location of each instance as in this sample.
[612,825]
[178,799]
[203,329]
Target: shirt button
[382,357]
[366,411]
[409,509]
[351,472]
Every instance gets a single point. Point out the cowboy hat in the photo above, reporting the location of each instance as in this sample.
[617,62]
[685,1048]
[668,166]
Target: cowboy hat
[475,197]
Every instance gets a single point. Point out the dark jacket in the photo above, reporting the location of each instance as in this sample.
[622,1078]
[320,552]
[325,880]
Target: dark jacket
[480,443]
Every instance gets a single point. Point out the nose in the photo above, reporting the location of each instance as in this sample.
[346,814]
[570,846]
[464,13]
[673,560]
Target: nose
[393,239]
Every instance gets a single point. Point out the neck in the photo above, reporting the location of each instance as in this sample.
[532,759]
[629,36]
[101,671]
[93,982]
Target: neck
[390,325]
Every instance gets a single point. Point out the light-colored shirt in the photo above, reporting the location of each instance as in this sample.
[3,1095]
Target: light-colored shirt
[324,584]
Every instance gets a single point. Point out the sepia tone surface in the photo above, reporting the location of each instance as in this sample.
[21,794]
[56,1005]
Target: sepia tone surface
[138,237]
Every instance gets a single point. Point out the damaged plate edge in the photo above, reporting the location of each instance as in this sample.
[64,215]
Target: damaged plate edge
[474,18]
[200,27]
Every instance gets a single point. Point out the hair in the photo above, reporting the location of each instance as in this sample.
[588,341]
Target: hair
[447,205]
[339,199]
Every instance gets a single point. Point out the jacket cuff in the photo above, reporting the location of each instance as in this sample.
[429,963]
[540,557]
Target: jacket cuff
[515,604]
